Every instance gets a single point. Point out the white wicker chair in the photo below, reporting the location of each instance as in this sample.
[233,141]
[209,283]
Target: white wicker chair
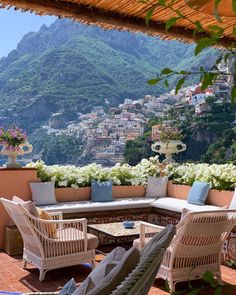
[196,247]
[69,245]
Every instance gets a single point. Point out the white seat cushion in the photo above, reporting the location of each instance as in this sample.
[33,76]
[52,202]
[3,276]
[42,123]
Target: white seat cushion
[89,206]
[178,205]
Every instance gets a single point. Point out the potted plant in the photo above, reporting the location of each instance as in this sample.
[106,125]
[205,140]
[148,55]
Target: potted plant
[14,142]
[169,143]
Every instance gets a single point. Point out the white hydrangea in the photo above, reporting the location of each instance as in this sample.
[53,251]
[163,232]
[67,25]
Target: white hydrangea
[219,176]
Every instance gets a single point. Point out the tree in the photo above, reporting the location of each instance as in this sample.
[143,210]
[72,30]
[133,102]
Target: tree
[212,37]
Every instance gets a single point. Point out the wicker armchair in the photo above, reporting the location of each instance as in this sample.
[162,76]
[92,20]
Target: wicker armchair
[51,244]
[196,247]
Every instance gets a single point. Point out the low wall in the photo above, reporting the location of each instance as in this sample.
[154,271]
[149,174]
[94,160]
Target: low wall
[14,182]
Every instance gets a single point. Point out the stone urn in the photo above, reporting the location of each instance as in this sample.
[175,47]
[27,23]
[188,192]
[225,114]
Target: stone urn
[169,148]
[22,149]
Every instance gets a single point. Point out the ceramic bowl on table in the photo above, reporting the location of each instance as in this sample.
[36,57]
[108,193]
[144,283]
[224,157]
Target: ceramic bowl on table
[128,224]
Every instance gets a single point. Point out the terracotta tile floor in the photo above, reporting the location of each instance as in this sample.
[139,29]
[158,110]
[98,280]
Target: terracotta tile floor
[13,278]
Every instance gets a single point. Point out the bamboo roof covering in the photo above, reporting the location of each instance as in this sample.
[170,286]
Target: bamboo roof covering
[125,15]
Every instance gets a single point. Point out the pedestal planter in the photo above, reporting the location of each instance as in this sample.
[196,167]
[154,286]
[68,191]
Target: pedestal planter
[24,148]
[168,149]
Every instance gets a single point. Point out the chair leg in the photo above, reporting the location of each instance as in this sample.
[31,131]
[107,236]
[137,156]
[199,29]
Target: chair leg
[24,263]
[171,286]
[219,278]
[42,273]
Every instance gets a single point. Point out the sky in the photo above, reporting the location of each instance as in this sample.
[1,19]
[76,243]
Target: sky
[15,24]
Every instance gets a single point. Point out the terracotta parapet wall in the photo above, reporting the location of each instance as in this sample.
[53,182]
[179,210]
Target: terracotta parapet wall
[14,182]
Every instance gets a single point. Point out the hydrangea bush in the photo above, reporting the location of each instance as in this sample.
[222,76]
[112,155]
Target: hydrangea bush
[222,177]
[72,176]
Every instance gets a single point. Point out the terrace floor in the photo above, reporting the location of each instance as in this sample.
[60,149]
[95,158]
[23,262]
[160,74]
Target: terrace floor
[15,279]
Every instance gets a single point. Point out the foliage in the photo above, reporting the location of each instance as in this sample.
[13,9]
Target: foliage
[72,176]
[77,67]
[12,137]
[223,150]
[207,280]
[199,132]
[212,37]
[221,177]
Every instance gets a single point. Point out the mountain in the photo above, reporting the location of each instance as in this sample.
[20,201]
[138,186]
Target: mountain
[74,67]
[69,68]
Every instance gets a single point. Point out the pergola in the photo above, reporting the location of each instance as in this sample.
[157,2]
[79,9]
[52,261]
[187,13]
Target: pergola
[126,15]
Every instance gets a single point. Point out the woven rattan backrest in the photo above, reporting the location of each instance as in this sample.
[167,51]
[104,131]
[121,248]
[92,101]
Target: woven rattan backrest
[200,237]
[19,215]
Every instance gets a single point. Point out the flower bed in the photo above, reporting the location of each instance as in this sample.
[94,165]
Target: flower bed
[75,177]
[221,177]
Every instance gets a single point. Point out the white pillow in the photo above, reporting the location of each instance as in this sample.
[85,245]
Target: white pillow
[233,201]
[43,193]
[156,187]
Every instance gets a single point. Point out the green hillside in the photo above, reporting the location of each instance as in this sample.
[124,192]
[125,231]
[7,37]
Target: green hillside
[76,67]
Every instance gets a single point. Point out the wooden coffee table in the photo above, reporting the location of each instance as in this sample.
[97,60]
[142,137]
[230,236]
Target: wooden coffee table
[117,231]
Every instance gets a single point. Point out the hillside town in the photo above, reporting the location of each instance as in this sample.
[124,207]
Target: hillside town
[104,134]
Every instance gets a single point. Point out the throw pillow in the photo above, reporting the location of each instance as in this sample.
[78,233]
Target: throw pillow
[156,187]
[28,205]
[43,193]
[51,229]
[101,191]
[103,269]
[123,268]
[198,193]
[69,288]
[233,201]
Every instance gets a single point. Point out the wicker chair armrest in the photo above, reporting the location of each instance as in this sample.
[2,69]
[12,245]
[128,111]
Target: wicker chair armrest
[147,230]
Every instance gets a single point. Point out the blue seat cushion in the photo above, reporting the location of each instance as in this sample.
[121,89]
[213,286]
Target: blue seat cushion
[101,191]
[198,193]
